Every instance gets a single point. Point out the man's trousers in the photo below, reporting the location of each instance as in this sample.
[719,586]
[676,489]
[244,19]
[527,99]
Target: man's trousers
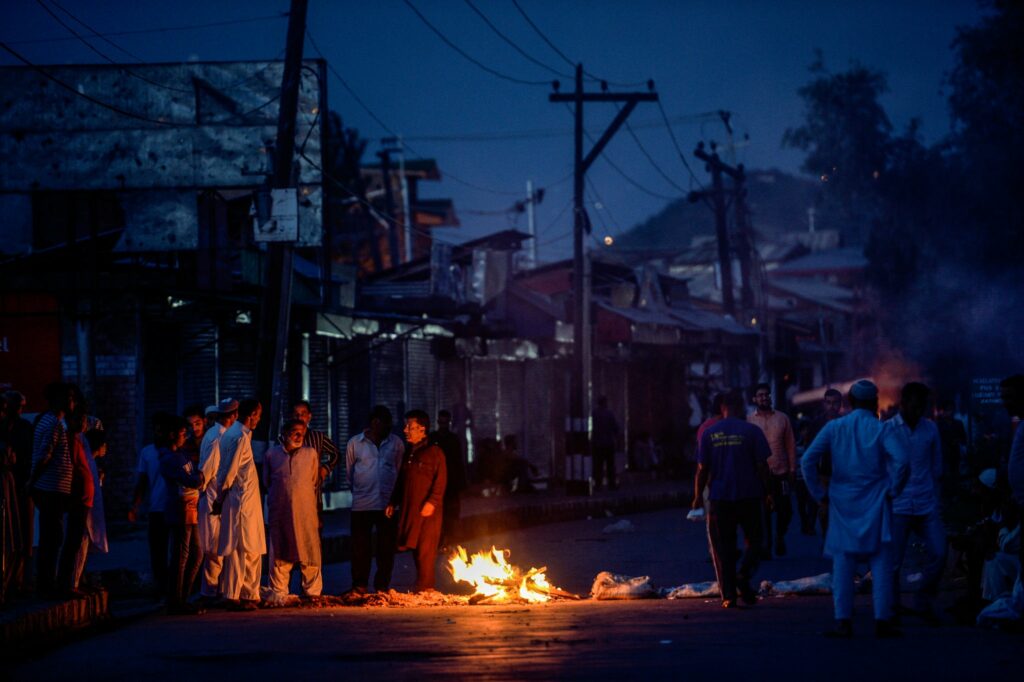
[363,523]
[724,518]
[281,573]
[213,565]
[933,532]
[843,564]
[240,578]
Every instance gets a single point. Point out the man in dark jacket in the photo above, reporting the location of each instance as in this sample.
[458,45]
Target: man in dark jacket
[418,496]
[449,442]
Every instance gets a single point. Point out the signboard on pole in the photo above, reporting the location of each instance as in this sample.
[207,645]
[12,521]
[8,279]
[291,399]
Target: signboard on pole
[282,223]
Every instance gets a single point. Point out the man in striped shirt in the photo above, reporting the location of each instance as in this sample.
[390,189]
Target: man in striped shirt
[324,446]
[50,482]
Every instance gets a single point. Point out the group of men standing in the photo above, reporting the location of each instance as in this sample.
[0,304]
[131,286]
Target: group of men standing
[205,497]
[876,483]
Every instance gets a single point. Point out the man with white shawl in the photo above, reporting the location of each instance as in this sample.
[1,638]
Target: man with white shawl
[869,469]
[242,539]
[291,472]
[209,524]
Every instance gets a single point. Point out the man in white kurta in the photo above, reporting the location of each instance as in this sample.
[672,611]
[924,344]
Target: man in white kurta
[209,524]
[291,472]
[242,537]
[869,468]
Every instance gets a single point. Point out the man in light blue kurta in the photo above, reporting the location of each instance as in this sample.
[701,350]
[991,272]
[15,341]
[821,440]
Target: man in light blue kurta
[869,468]
[916,509]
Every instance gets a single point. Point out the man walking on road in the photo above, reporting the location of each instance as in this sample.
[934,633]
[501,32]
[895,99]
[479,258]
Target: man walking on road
[731,461]
[869,468]
[242,539]
[917,509]
[782,466]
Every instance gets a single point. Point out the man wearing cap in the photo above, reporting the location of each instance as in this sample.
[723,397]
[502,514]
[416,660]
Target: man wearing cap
[869,469]
[243,539]
[209,524]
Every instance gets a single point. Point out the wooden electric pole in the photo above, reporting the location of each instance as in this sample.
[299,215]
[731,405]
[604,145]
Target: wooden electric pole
[577,431]
[275,318]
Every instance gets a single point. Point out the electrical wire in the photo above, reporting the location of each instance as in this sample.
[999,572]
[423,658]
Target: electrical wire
[103,55]
[604,157]
[104,37]
[384,126]
[98,102]
[561,54]
[369,206]
[653,163]
[163,29]
[541,133]
[514,45]
[675,143]
[465,55]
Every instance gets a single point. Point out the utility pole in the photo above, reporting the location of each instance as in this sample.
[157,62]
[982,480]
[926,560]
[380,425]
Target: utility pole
[577,426]
[275,322]
[406,210]
[744,241]
[389,202]
[531,223]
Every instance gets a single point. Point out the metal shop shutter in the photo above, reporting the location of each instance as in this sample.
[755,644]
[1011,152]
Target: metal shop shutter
[388,362]
[238,363]
[319,382]
[483,382]
[422,376]
[198,364]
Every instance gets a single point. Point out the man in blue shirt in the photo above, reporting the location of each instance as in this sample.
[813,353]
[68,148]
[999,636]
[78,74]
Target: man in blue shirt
[732,462]
[916,509]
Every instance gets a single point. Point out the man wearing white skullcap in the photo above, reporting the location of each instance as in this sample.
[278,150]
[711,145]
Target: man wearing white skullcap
[869,468]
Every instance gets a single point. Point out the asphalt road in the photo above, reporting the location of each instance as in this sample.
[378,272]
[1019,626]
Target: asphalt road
[654,639]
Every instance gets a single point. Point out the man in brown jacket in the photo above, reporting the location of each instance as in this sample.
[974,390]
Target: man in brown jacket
[418,498]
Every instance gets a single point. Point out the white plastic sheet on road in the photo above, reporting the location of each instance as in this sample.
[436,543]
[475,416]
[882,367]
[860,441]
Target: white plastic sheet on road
[623,526]
[608,585]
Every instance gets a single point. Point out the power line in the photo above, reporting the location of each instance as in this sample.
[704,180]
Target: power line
[604,156]
[369,206]
[102,54]
[513,44]
[384,126]
[561,54]
[653,163]
[104,37]
[465,55]
[163,29]
[541,133]
[679,150]
[98,102]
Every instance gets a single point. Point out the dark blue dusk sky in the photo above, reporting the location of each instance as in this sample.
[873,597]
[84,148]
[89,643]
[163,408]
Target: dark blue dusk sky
[746,57]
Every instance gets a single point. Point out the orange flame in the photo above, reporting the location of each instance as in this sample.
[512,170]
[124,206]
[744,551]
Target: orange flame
[495,580]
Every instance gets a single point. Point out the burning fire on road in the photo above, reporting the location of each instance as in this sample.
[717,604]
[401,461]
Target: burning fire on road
[496,581]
